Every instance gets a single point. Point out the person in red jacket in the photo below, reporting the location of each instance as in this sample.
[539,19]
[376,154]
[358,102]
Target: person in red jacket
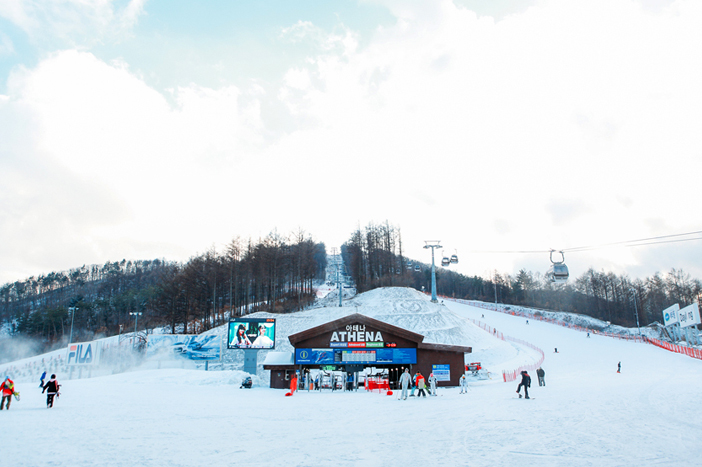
[420,385]
[7,388]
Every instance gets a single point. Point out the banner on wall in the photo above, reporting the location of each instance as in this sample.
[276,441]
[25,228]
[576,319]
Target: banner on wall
[441,372]
[83,354]
[196,347]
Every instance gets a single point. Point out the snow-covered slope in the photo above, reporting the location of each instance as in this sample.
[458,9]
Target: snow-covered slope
[586,415]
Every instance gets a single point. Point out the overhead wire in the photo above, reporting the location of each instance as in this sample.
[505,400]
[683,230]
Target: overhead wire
[629,243]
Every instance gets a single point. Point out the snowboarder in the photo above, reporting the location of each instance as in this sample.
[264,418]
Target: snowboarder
[619,367]
[464,384]
[52,389]
[432,383]
[405,381]
[41,380]
[540,373]
[7,388]
[526,382]
[420,385]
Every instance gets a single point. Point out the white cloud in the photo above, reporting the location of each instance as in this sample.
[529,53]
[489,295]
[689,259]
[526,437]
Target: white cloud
[75,22]
[525,133]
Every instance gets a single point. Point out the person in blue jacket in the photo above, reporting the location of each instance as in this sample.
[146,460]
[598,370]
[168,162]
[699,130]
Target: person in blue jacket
[41,380]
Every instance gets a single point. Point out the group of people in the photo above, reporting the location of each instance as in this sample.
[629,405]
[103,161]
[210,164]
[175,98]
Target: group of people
[526,382]
[417,382]
[7,389]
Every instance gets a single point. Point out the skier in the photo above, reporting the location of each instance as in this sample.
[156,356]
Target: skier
[405,381]
[7,388]
[464,384]
[619,367]
[420,385]
[41,380]
[540,373]
[588,335]
[527,321]
[52,389]
[526,382]
[432,383]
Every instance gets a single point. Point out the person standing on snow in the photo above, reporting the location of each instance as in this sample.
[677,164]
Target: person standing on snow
[619,367]
[432,383]
[413,384]
[405,381]
[52,389]
[420,385]
[540,373]
[7,388]
[526,382]
[464,384]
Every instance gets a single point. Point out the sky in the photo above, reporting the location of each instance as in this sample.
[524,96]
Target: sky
[145,129]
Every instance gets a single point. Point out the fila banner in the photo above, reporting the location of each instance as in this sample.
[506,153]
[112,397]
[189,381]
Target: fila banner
[83,353]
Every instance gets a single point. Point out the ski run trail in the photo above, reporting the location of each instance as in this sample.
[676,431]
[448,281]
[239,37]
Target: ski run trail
[586,415]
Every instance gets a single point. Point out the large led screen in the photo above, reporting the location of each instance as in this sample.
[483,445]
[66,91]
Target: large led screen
[251,333]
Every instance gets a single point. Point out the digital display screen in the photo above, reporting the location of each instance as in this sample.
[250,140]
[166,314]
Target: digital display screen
[366,356]
[251,333]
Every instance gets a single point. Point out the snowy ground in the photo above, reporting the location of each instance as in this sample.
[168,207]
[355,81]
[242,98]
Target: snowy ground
[587,415]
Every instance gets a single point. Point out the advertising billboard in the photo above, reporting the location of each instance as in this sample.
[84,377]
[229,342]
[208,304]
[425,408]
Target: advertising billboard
[83,354]
[357,357]
[251,333]
[670,315]
[689,316]
[195,347]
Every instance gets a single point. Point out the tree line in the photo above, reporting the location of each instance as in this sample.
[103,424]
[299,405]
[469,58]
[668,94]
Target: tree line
[274,274]
[373,256]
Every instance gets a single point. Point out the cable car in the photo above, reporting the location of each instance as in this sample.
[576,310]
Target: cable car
[417,268]
[454,258]
[558,272]
[445,261]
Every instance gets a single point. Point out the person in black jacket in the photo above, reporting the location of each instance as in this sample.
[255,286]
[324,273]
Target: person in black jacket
[526,382]
[51,388]
[541,373]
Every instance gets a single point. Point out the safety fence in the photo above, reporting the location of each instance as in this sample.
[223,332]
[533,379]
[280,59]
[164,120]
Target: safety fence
[559,322]
[374,383]
[512,375]
[681,349]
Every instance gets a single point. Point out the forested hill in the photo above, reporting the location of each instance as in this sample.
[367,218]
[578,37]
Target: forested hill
[273,274]
[374,258]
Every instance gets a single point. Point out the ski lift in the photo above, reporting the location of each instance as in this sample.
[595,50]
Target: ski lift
[558,272]
[454,258]
[445,261]
[417,268]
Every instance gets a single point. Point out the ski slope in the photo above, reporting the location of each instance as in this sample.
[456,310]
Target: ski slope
[586,415]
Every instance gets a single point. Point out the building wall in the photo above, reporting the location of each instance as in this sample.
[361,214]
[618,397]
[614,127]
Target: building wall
[427,358]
